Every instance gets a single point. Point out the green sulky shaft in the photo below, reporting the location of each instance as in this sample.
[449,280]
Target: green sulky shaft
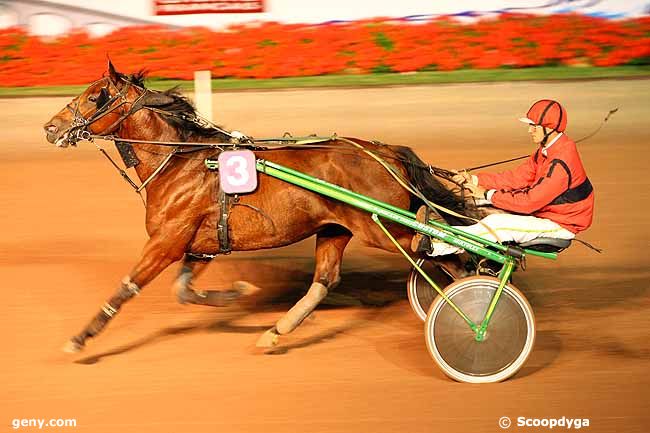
[435,229]
[376,207]
[262,166]
[324,183]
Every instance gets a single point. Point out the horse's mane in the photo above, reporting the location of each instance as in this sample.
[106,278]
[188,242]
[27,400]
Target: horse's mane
[181,112]
[136,78]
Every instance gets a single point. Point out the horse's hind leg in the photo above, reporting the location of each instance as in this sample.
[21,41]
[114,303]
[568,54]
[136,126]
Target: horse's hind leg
[330,244]
[185,294]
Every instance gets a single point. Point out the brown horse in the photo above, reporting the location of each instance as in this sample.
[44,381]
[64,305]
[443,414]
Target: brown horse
[183,214]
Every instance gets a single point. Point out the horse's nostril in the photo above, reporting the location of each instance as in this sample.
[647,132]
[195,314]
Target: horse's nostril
[51,129]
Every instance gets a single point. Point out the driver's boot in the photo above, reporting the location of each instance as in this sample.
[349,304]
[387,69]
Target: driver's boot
[422,243]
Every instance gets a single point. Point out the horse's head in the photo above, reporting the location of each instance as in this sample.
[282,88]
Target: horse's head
[100,109]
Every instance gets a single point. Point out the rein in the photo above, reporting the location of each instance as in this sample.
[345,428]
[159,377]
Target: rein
[79,131]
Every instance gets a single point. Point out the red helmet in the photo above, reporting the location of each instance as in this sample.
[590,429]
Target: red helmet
[547,113]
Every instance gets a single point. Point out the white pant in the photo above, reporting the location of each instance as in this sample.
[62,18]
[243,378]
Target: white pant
[509,228]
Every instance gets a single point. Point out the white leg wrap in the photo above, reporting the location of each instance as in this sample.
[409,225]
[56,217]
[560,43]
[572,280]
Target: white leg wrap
[303,307]
[133,288]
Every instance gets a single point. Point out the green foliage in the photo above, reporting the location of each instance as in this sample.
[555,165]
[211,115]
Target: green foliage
[267,43]
[384,41]
[382,69]
[473,33]
[429,68]
[640,61]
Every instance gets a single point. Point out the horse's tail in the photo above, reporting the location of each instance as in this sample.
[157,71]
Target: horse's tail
[427,184]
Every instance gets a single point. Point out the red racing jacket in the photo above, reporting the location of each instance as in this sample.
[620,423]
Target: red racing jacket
[552,186]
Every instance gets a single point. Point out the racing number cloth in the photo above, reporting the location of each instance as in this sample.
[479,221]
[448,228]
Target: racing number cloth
[552,186]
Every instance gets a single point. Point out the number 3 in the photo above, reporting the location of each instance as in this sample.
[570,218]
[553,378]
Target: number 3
[238,174]
[240,168]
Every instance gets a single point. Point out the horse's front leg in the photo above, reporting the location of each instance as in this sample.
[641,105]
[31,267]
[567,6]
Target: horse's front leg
[186,294]
[159,252]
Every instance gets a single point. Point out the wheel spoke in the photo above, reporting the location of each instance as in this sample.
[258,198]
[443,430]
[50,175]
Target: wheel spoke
[508,340]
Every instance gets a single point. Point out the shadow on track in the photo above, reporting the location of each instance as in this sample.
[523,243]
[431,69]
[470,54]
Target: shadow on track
[358,289]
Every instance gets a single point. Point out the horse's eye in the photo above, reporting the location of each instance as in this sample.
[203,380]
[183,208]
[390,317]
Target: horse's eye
[92,98]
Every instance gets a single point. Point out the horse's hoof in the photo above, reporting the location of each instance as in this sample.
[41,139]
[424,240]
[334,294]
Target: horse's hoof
[245,288]
[72,347]
[185,296]
[217,298]
[269,339]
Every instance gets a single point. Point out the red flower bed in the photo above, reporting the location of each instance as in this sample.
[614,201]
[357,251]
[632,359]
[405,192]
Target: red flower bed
[286,50]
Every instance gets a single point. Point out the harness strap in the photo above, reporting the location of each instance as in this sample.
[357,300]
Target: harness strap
[129,158]
[258,210]
[124,174]
[160,168]
[222,226]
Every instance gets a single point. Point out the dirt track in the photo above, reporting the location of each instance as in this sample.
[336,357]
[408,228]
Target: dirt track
[72,228]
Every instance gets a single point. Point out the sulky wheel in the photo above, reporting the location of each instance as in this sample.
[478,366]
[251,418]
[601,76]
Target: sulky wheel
[420,293]
[508,341]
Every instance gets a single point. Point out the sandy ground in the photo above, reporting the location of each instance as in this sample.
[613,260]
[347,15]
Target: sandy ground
[71,228]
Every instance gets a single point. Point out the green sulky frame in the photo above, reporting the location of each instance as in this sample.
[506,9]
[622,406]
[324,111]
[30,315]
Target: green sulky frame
[505,255]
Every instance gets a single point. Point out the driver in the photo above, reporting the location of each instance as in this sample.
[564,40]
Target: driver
[549,195]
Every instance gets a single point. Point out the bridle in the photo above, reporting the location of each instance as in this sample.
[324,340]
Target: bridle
[78,130]
[106,104]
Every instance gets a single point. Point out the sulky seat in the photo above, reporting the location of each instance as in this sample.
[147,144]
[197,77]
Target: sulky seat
[547,245]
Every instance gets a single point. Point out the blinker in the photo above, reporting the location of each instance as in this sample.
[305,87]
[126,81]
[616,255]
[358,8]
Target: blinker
[103,98]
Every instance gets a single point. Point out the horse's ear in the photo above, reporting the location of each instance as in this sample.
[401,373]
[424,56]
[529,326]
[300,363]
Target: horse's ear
[112,72]
[156,99]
